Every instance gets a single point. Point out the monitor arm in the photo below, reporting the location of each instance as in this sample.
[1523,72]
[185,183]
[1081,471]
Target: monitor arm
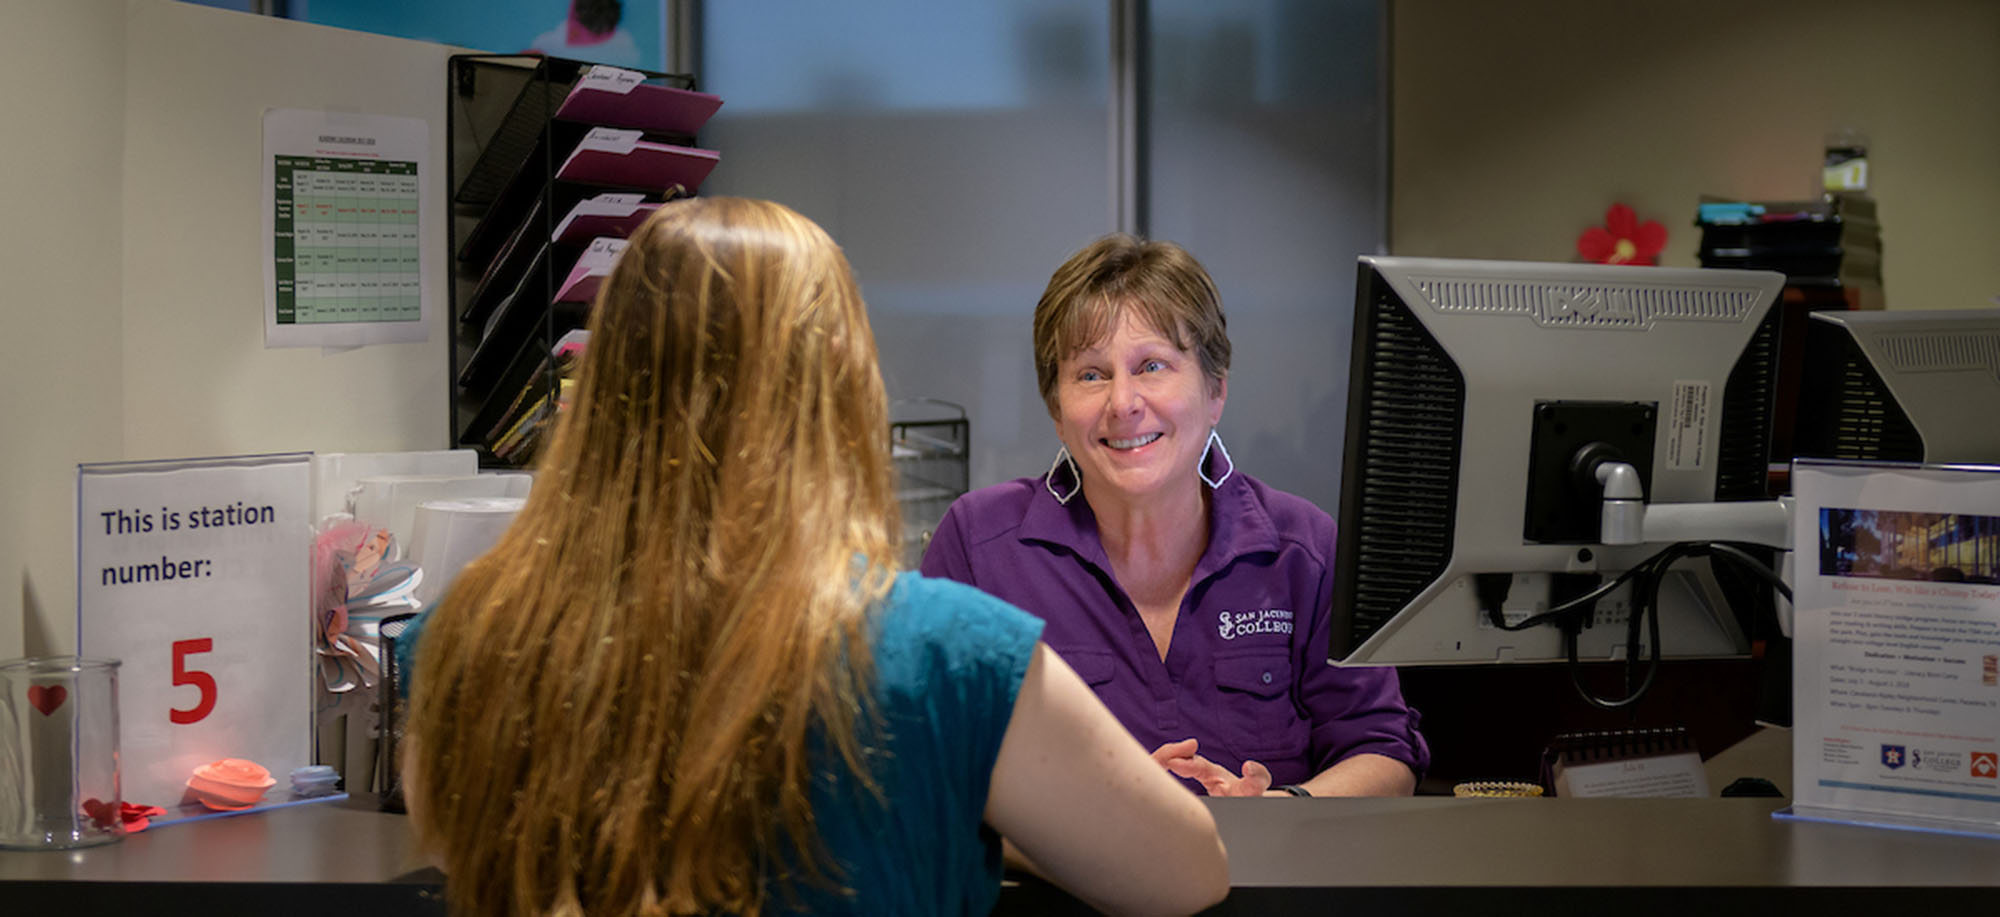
[1629,519]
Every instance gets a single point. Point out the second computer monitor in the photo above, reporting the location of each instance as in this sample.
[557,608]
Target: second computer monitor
[1479,393]
[1901,386]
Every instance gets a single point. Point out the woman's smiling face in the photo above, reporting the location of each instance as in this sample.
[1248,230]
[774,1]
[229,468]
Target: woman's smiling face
[1135,412]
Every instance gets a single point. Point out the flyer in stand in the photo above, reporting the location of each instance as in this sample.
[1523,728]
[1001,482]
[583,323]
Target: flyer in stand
[1896,681]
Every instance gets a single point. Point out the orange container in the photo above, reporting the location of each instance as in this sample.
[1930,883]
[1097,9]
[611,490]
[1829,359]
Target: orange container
[231,783]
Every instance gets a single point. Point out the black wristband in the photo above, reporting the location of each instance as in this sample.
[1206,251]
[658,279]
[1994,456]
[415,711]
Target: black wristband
[1293,789]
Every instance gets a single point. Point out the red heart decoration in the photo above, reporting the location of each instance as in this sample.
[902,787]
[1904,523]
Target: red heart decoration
[101,812]
[47,698]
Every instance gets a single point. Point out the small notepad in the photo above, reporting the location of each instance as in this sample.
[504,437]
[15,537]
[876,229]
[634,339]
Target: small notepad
[1627,763]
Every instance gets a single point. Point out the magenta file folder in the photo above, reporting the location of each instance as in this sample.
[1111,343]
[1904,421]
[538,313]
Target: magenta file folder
[611,215]
[608,156]
[621,98]
[591,268]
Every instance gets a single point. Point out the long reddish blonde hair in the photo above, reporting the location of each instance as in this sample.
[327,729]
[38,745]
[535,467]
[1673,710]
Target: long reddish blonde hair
[616,709]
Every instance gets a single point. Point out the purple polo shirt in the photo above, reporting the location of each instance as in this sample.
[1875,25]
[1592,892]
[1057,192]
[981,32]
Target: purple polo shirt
[1246,670]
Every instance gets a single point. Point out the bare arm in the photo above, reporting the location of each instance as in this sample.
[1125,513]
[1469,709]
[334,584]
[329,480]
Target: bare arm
[1364,775]
[1072,791]
[1361,775]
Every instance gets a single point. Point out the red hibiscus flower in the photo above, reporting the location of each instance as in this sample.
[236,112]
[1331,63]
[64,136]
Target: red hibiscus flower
[1623,239]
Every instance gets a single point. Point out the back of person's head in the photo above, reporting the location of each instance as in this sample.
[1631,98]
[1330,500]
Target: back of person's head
[1167,289]
[615,708]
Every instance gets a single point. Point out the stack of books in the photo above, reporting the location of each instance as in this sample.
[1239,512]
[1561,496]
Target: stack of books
[1830,251]
[1831,244]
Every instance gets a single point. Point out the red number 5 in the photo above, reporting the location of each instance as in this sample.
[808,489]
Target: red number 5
[200,679]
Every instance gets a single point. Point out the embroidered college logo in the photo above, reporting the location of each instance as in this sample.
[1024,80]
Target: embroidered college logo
[1233,624]
[1892,756]
[1985,764]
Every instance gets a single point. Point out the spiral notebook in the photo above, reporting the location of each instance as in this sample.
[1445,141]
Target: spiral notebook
[1631,763]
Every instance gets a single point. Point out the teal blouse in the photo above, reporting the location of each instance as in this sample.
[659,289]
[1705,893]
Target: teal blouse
[948,664]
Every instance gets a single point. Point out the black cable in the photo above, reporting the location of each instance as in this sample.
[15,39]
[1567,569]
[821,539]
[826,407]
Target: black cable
[1645,578]
[1747,561]
[1649,606]
[1645,601]
[1560,613]
[1645,598]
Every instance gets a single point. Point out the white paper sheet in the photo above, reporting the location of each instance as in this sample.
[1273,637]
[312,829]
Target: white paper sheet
[347,207]
[195,574]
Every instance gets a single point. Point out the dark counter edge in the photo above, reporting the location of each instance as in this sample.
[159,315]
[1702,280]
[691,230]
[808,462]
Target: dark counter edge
[411,894]
[1033,896]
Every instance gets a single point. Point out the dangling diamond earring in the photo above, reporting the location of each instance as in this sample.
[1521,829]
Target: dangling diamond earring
[1201,467]
[1062,458]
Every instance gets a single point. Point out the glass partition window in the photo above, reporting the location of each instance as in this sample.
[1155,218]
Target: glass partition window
[958,152]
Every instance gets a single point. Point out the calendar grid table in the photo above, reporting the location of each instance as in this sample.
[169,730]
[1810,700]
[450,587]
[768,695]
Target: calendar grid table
[346,241]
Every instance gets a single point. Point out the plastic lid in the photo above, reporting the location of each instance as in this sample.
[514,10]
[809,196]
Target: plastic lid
[314,774]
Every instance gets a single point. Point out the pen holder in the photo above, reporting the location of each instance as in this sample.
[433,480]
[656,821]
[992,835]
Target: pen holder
[395,705]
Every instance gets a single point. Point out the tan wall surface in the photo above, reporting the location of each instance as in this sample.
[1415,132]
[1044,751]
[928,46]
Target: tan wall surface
[198,379]
[1517,124]
[130,247]
[60,318]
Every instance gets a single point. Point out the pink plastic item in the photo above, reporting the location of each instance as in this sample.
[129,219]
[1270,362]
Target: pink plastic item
[231,783]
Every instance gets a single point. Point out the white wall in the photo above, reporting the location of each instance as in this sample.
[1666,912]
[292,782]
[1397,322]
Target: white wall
[61,325]
[1517,124]
[131,252]
[198,380]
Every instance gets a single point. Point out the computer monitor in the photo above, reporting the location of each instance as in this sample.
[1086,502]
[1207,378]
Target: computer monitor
[1480,394]
[1916,386]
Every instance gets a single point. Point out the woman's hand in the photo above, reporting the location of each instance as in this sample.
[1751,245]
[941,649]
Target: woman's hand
[1171,752]
[1180,759]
